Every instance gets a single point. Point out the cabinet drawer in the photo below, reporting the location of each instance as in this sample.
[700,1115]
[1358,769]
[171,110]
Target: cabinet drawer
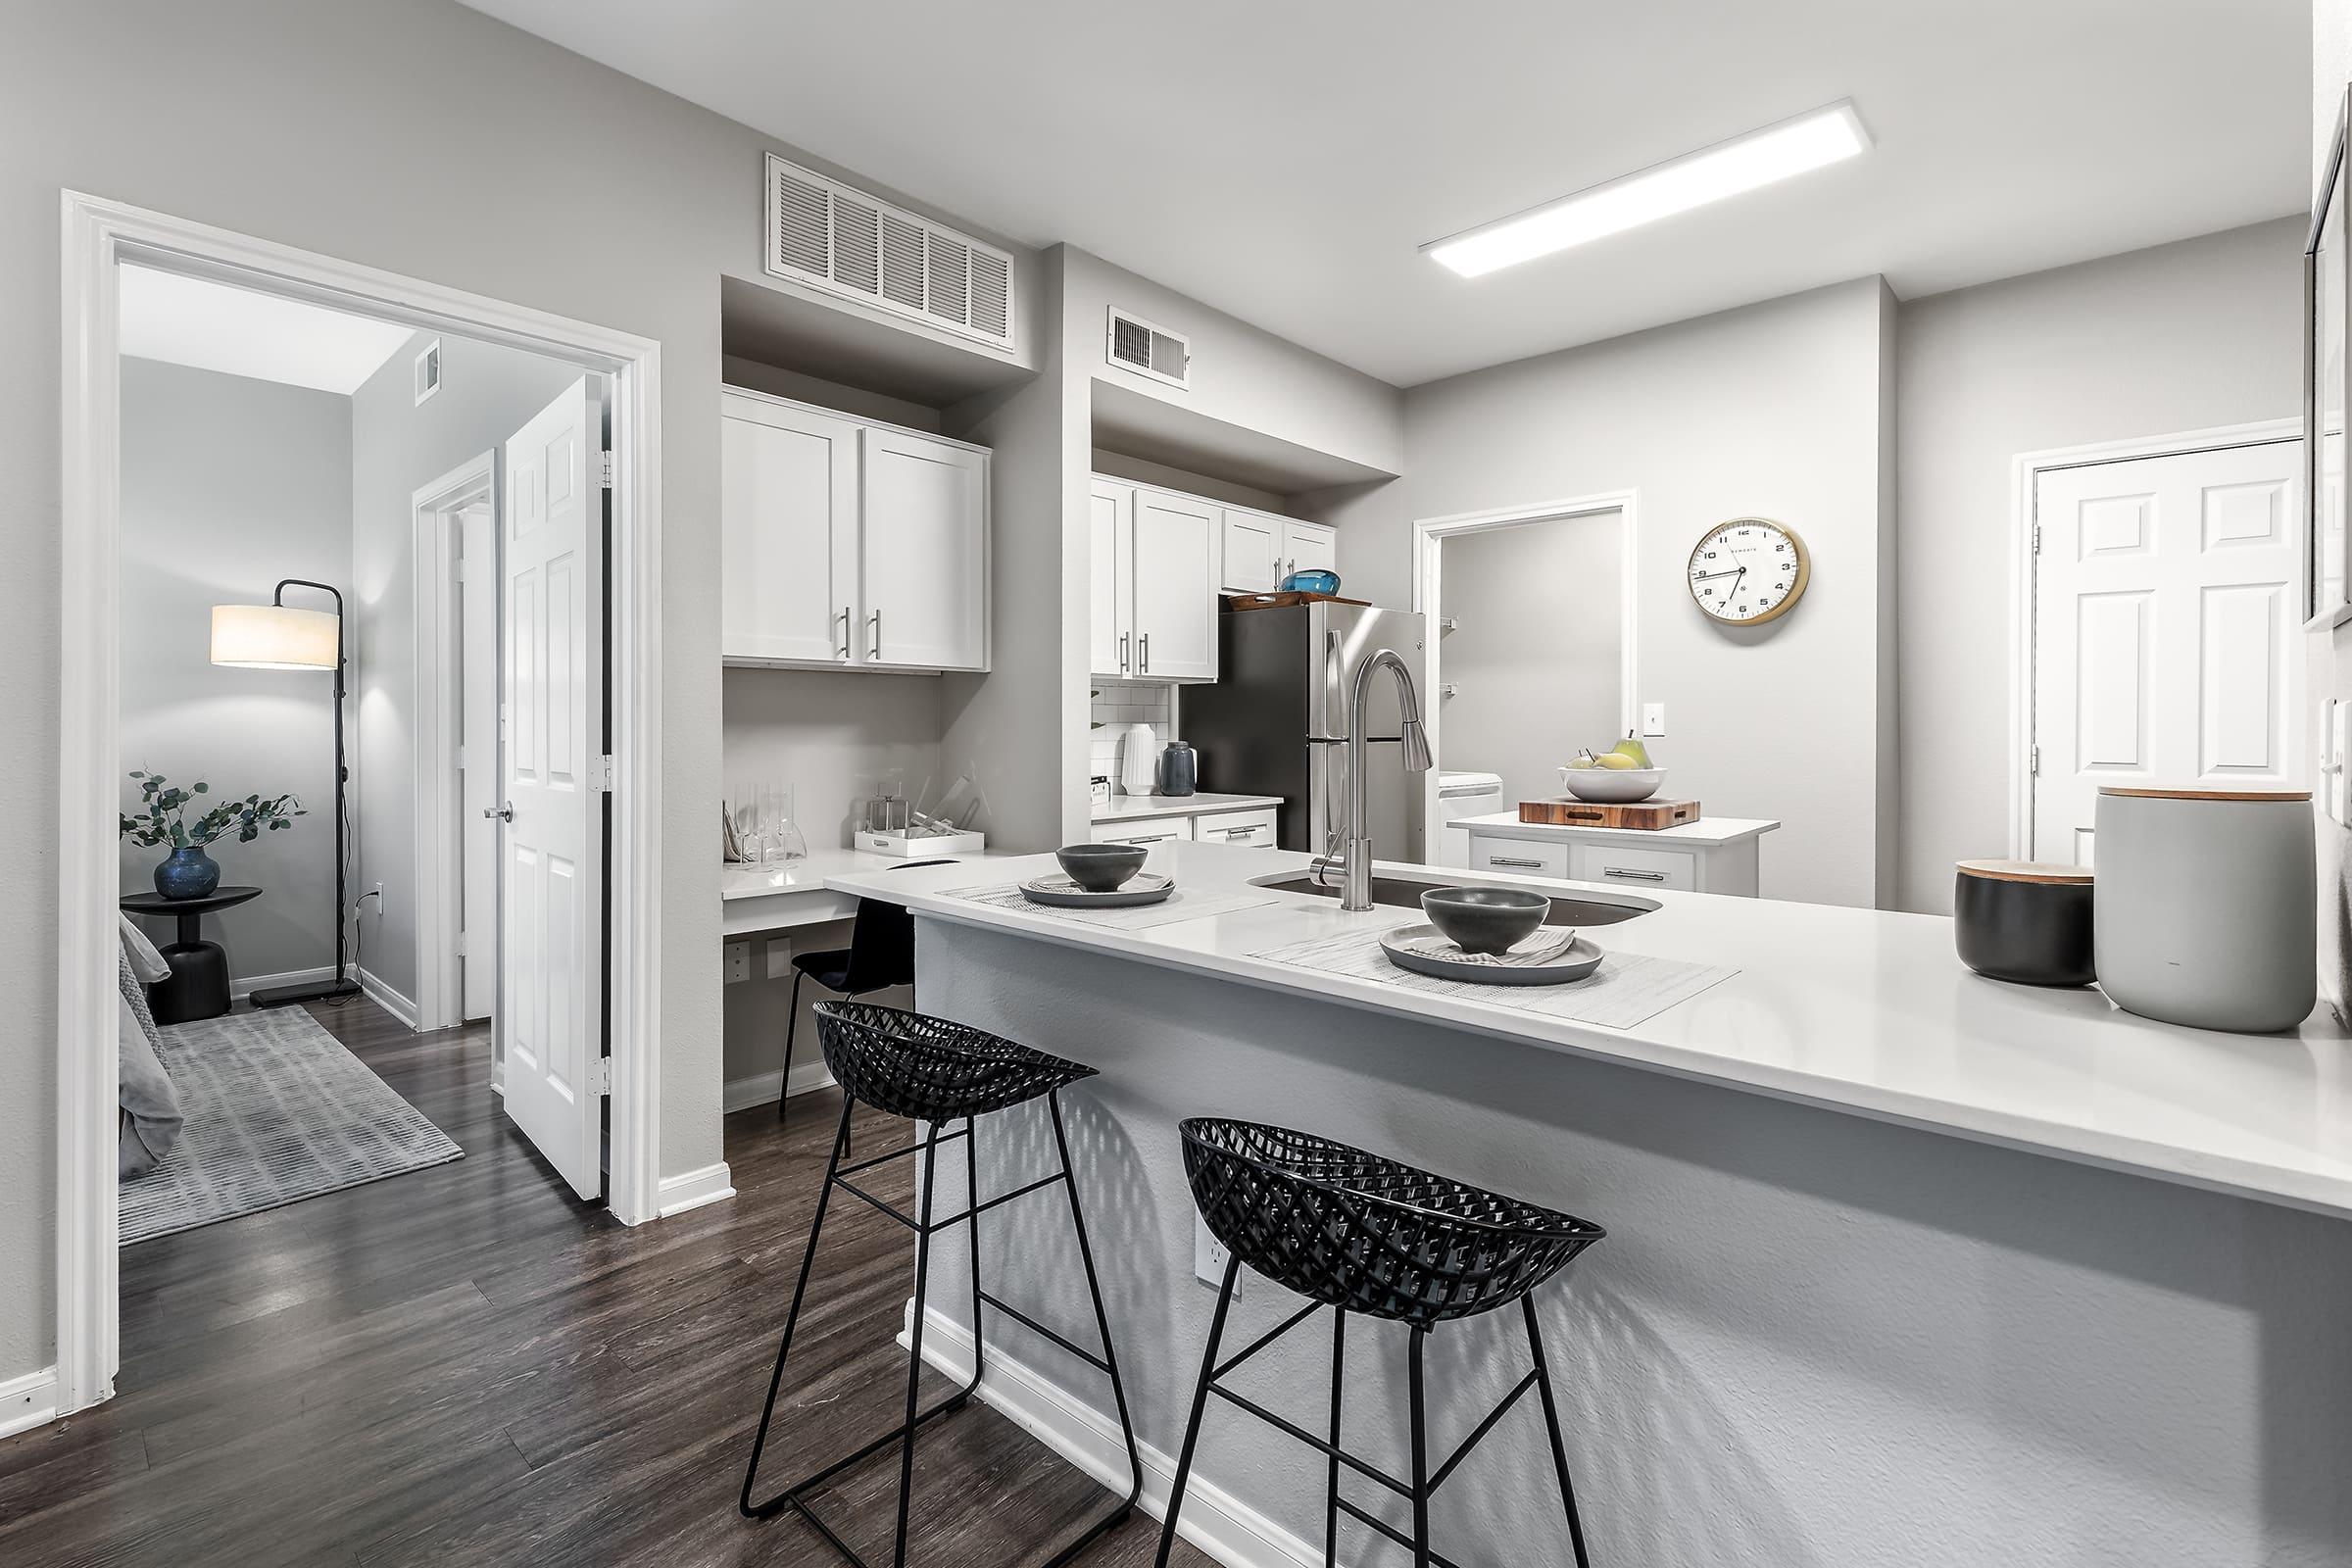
[1518,857]
[1159,830]
[1254,828]
[1635,867]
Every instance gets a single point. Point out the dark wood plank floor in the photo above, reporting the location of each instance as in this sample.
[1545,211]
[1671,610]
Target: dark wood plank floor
[466,1365]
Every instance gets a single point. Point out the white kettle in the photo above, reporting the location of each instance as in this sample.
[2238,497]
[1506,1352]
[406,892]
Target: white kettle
[1138,760]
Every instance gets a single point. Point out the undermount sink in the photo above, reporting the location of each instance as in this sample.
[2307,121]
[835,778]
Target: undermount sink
[1404,893]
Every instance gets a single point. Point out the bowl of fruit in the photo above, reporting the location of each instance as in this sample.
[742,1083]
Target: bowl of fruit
[1618,776]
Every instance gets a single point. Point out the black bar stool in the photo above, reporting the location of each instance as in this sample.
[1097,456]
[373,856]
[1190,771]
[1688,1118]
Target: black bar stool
[880,955]
[933,1071]
[1358,1233]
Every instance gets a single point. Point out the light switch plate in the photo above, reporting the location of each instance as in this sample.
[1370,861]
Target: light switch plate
[1653,721]
[779,957]
[1209,1255]
[739,962]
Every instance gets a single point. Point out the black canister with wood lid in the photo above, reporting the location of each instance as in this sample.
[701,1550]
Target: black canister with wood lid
[2025,922]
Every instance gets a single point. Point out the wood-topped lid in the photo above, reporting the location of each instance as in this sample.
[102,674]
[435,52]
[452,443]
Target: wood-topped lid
[2024,871]
[2206,795]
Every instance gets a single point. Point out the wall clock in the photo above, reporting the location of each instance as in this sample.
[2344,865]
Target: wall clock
[1749,571]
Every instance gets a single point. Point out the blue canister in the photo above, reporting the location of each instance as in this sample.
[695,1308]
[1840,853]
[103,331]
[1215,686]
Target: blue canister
[1179,769]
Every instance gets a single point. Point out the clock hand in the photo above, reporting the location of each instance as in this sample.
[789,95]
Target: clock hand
[1705,577]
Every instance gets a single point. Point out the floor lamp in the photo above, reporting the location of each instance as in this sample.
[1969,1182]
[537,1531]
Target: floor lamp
[273,636]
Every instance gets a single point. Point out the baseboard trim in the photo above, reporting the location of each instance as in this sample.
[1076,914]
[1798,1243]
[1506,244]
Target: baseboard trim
[1215,1521]
[759,1089]
[391,1001]
[239,990]
[27,1401]
[678,1193]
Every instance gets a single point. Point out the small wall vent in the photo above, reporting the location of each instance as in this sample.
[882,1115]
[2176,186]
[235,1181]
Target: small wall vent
[834,237]
[1147,350]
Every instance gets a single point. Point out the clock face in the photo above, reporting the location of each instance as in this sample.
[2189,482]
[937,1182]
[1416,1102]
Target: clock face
[1749,571]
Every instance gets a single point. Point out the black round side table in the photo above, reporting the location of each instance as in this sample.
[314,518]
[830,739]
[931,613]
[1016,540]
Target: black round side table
[198,985]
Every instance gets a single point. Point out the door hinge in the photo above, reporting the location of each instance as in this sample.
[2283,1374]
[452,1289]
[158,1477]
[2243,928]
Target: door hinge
[461,943]
[600,1080]
[2037,538]
[2033,761]
[608,476]
[599,776]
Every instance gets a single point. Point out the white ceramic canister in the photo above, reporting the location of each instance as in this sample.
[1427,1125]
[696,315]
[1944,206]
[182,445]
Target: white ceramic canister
[2207,911]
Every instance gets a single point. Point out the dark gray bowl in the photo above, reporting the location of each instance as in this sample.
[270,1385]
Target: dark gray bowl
[1484,919]
[1100,867]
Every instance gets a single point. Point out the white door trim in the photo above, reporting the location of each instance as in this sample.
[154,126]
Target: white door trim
[440,824]
[1429,537]
[95,235]
[2026,471]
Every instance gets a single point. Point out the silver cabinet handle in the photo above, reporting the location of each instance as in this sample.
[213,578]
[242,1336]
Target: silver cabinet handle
[1125,638]
[500,813]
[1620,873]
[1143,653]
[1157,838]
[1240,832]
[844,654]
[873,636]
[1515,864]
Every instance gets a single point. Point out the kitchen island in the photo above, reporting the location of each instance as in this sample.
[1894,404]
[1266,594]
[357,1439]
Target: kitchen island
[1905,1266]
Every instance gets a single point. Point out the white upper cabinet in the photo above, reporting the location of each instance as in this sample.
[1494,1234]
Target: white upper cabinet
[848,544]
[1110,535]
[1252,547]
[788,524]
[1175,586]
[1308,547]
[925,553]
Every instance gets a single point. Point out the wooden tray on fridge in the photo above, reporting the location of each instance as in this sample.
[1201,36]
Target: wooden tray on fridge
[1278,601]
[1570,812]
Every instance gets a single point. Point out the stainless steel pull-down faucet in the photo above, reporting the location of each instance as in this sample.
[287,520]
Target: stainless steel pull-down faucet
[1356,892]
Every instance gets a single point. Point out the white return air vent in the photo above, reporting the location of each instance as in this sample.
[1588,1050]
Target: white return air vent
[1147,350]
[836,238]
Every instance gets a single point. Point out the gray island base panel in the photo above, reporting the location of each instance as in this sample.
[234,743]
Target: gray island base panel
[1818,1334]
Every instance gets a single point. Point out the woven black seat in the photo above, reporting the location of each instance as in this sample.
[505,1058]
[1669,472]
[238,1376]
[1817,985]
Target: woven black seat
[1354,1229]
[937,1072]
[1358,1232]
[929,1069]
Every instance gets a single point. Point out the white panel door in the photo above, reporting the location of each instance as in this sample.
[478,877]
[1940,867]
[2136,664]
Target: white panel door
[923,530]
[550,953]
[2166,607]
[1252,552]
[1175,588]
[787,521]
[1309,546]
[1110,579]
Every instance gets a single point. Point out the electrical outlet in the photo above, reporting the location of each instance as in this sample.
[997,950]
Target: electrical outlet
[1653,721]
[1209,1255]
[779,957]
[739,962]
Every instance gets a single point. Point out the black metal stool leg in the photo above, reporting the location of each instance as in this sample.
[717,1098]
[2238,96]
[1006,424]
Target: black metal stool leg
[1192,1426]
[971,1201]
[1111,1356]
[1552,1421]
[1420,1403]
[792,1026]
[791,1317]
[914,1350]
[1331,1511]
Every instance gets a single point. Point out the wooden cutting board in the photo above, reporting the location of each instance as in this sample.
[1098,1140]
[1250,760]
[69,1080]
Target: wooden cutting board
[1592,814]
[1282,599]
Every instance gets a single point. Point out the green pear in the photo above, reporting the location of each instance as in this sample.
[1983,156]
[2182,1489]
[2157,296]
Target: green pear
[1633,748]
[1616,761]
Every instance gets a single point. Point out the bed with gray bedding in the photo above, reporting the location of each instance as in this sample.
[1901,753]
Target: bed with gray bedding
[150,1111]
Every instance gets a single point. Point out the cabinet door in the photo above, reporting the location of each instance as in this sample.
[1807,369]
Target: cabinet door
[1110,579]
[1308,547]
[923,547]
[1635,867]
[1253,546]
[1518,857]
[1175,588]
[788,518]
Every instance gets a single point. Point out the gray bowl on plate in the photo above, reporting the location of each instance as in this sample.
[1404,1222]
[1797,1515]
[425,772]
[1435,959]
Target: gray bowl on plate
[1100,867]
[1484,919]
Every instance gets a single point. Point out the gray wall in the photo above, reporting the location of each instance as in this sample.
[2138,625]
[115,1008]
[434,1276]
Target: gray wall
[1769,410]
[1809,1340]
[393,135]
[2181,338]
[832,737]
[397,446]
[229,484]
[1537,654]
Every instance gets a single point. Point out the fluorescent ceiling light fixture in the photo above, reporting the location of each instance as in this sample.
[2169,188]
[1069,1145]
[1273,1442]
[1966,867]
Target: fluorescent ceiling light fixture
[1728,169]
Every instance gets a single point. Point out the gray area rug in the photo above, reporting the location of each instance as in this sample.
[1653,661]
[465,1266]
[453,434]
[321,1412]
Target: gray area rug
[276,1110]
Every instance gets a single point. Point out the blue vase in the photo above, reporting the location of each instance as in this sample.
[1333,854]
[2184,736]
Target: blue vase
[188,873]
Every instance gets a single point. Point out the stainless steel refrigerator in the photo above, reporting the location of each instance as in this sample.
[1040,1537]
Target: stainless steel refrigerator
[1276,721]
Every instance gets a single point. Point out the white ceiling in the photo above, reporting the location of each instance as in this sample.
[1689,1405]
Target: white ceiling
[1284,161]
[214,326]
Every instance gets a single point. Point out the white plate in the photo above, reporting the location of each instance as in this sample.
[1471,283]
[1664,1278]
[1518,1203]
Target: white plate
[1580,959]
[1060,892]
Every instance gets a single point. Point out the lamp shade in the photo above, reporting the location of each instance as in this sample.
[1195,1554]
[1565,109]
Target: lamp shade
[274,637]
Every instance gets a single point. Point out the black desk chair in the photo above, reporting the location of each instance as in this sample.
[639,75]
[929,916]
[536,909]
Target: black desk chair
[880,955]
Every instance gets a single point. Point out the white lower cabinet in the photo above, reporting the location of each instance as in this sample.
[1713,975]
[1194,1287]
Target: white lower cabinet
[1159,830]
[1628,867]
[1519,856]
[1620,857]
[1252,827]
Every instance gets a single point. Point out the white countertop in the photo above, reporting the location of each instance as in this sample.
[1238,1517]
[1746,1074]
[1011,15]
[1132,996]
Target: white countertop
[790,893]
[1853,1009]
[1706,831]
[1138,807]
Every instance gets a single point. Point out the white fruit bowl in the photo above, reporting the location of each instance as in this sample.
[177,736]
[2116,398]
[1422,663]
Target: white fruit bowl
[1613,786]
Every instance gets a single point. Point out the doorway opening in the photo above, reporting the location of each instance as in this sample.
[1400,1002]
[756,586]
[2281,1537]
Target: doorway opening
[1531,612]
